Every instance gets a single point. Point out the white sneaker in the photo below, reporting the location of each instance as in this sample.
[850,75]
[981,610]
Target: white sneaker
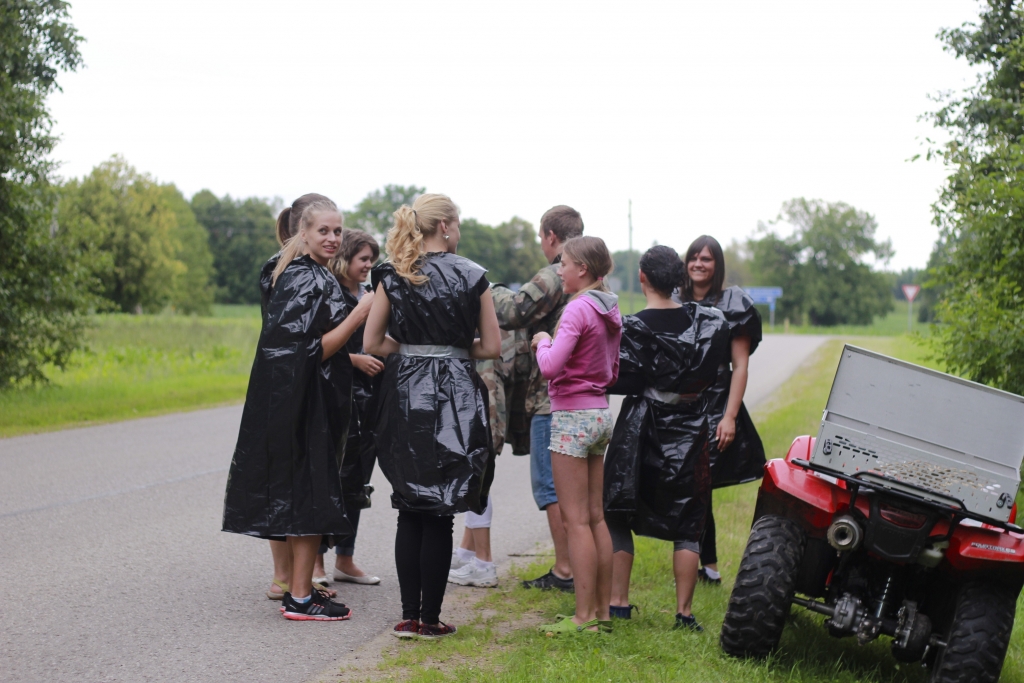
[458,562]
[471,574]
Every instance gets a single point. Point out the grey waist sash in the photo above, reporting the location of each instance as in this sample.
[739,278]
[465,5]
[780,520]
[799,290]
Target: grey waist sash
[432,351]
[669,397]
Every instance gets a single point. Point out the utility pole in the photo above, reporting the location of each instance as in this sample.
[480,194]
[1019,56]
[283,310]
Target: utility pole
[629,282]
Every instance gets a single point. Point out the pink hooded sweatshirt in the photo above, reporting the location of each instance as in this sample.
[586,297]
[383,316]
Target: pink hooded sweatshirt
[583,360]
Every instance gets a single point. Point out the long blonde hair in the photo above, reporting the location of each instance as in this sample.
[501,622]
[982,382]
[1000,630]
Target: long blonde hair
[404,245]
[293,248]
[593,253]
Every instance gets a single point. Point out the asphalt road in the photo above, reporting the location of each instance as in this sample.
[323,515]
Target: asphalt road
[116,568]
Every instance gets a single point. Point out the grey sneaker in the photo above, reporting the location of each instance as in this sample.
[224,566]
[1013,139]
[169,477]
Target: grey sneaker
[471,574]
[549,581]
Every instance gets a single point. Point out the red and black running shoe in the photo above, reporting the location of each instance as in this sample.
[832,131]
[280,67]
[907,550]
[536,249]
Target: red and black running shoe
[319,608]
[410,628]
[435,631]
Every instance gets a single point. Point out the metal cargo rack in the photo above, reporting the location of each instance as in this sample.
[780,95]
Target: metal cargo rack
[922,433]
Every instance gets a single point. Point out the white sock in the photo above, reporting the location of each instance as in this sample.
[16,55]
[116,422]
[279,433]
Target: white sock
[302,601]
[481,564]
[712,574]
[465,555]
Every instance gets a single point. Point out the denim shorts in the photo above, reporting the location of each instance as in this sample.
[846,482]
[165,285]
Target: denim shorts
[581,433]
[540,462]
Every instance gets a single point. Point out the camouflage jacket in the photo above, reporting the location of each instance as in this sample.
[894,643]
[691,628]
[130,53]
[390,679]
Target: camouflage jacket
[536,307]
[507,380]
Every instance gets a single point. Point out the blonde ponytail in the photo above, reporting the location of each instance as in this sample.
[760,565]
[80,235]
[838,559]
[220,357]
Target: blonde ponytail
[413,224]
[294,246]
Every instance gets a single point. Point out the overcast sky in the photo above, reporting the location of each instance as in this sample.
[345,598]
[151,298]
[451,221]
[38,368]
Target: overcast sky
[707,115]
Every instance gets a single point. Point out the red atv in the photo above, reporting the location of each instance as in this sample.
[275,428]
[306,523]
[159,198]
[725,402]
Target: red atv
[898,519]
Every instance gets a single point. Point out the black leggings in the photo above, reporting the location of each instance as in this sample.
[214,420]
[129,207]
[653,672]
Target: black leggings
[708,548]
[423,556]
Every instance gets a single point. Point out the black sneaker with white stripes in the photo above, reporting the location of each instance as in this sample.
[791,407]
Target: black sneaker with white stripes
[318,608]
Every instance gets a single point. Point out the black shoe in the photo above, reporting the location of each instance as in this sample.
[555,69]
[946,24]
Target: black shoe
[626,612]
[688,623]
[549,581]
[318,608]
[702,576]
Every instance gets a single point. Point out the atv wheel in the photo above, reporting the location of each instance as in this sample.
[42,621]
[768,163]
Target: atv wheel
[763,590]
[978,637]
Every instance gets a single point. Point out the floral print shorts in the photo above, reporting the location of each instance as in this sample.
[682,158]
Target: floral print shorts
[580,433]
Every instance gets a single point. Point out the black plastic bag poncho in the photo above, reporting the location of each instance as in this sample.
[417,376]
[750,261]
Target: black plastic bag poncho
[656,469]
[284,478]
[431,417]
[744,459]
[360,453]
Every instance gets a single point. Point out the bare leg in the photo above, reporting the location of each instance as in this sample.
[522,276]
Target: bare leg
[346,564]
[304,552]
[571,484]
[318,566]
[684,566]
[480,540]
[602,539]
[562,568]
[622,567]
[467,540]
[282,563]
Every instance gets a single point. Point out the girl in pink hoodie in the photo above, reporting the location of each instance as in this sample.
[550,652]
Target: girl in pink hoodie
[580,364]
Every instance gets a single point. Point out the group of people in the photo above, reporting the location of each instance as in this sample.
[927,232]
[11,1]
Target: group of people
[431,369]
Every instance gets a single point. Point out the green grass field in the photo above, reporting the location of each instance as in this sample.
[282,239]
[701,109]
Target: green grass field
[645,648]
[139,365]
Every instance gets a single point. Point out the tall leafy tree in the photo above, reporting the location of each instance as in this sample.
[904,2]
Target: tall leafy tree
[140,240]
[41,297]
[374,213]
[242,237]
[824,267]
[978,264]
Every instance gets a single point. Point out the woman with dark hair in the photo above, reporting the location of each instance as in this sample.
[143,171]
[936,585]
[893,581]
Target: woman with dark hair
[359,251]
[737,455]
[657,479]
[431,426]
[283,483]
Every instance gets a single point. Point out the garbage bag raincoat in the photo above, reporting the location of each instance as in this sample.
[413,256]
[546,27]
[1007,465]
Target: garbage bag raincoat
[744,459]
[284,478]
[657,469]
[360,453]
[431,419]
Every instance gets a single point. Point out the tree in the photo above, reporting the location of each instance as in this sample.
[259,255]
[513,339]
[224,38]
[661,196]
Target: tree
[140,240]
[242,237]
[822,267]
[374,213]
[510,252]
[977,267]
[41,298]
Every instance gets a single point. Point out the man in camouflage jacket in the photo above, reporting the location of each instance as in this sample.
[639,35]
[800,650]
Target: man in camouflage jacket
[537,307]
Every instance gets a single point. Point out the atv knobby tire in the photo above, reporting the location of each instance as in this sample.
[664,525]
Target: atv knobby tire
[763,591]
[978,636]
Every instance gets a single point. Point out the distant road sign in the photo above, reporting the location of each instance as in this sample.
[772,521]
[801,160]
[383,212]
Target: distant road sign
[766,295]
[910,291]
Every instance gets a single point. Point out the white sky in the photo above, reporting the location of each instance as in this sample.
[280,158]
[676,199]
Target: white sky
[707,115]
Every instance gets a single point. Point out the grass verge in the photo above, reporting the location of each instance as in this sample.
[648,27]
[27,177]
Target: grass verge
[134,366]
[500,643]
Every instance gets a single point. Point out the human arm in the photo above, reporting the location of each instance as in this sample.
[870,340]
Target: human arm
[489,343]
[534,301]
[726,431]
[332,342]
[375,339]
[552,355]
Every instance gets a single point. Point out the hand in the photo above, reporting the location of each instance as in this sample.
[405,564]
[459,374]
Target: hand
[362,309]
[366,364]
[538,338]
[726,432]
